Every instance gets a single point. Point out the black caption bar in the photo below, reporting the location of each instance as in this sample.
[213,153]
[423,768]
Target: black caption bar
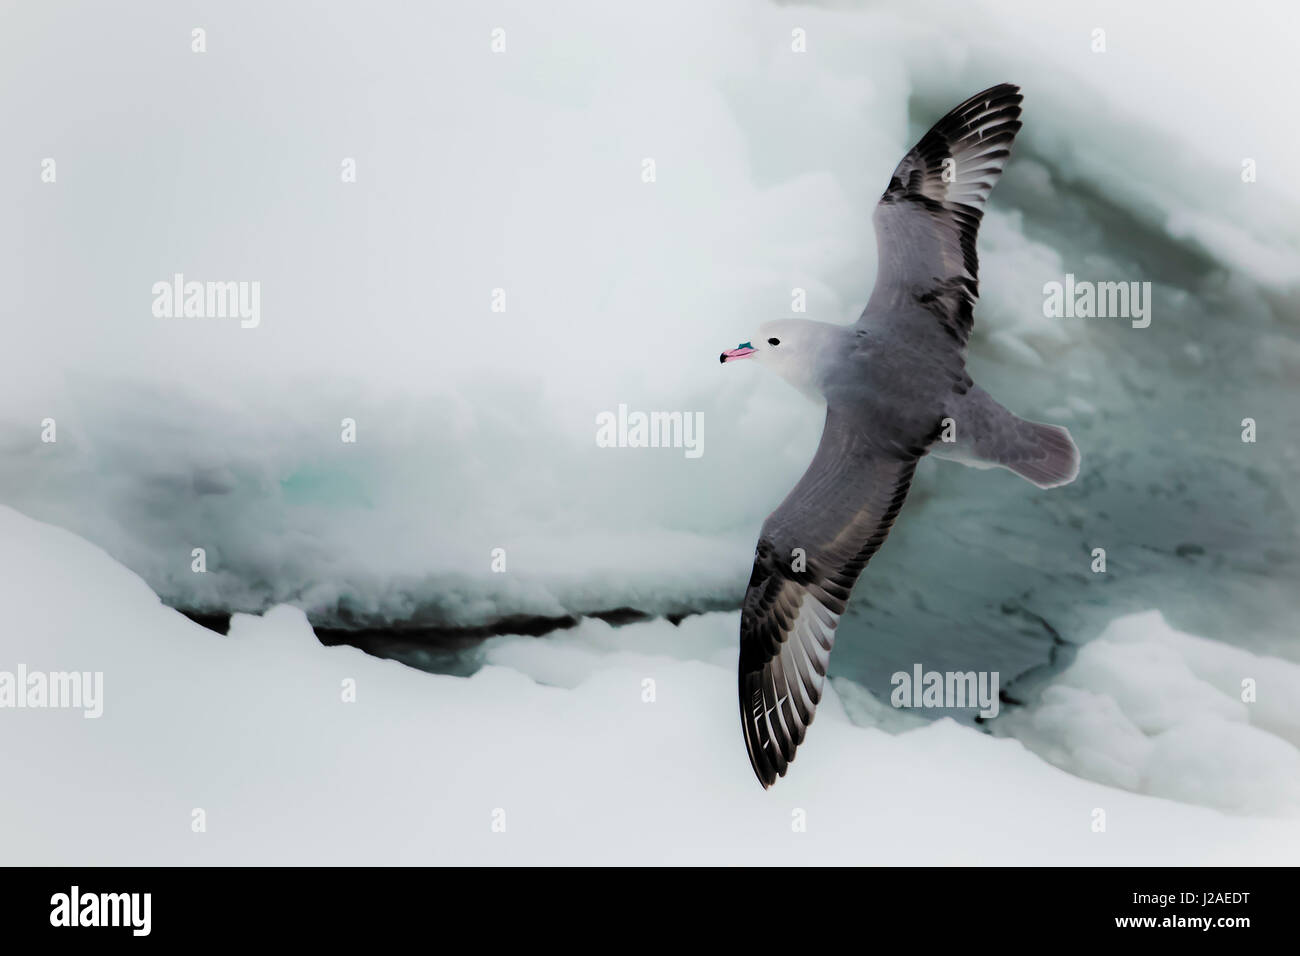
[333,905]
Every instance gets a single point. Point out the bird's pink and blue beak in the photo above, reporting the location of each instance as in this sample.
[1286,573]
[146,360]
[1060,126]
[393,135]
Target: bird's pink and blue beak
[743,350]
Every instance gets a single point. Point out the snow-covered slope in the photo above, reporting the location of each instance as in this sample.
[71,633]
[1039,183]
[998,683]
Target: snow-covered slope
[252,729]
[1151,709]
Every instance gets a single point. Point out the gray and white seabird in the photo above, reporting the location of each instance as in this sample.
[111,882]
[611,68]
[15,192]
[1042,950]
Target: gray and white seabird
[889,382]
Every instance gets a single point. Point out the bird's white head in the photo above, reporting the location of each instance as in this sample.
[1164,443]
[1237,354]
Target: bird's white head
[795,349]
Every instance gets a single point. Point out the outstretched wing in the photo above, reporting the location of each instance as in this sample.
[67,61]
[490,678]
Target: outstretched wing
[927,220]
[837,517]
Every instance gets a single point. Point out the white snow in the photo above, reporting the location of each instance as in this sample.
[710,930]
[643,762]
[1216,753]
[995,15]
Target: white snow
[1154,710]
[252,729]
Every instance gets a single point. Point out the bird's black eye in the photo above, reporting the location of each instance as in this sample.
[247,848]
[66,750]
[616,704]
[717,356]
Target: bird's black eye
[773,341]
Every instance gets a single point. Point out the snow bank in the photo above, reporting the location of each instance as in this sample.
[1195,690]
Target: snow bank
[1150,709]
[252,729]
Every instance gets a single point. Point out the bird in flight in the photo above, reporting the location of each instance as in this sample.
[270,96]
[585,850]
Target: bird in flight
[895,388]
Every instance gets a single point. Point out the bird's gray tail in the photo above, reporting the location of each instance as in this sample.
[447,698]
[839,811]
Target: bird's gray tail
[1044,454]
[984,434]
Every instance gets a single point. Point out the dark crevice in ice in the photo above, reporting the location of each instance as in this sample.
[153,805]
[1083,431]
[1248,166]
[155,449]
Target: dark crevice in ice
[218,621]
[439,648]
